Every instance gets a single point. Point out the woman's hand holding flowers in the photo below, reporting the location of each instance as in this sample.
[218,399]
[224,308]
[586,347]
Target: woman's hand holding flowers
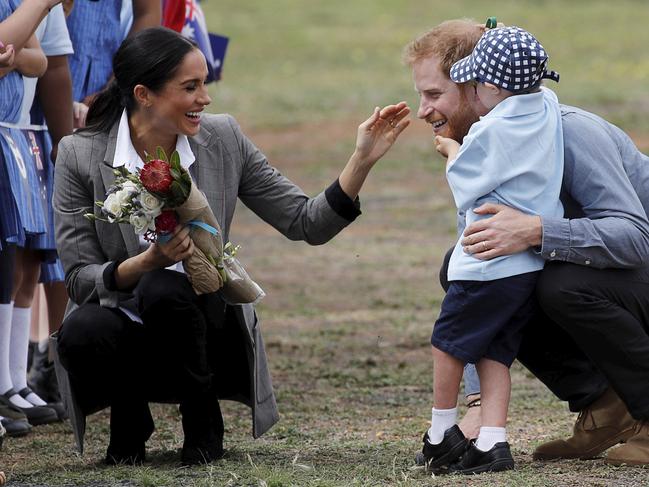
[179,247]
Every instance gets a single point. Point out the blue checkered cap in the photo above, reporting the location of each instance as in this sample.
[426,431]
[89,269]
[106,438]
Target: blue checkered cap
[509,57]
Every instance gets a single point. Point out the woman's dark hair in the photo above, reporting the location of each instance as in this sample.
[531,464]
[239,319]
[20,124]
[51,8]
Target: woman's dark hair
[150,58]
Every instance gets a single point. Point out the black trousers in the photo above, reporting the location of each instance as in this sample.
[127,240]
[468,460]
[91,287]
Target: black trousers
[179,354]
[591,331]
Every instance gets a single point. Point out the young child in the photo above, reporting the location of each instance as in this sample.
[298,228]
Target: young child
[512,156]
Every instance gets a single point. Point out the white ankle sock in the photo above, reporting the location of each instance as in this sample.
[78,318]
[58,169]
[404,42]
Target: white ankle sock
[5,338]
[489,436]
[441,420]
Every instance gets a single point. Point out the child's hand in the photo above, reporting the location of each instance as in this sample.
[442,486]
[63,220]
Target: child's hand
[446,146]
[7,55]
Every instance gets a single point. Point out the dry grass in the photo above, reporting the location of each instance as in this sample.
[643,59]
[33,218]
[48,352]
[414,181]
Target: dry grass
[347,324]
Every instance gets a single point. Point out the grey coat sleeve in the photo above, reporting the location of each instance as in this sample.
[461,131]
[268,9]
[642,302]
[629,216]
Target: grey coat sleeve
[612,228]
[280,202]
[76,237]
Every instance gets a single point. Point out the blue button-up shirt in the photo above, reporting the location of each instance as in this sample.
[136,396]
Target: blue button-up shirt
[605,194]
[512,156]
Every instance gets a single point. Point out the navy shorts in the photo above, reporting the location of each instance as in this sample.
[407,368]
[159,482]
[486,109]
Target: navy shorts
[485,318]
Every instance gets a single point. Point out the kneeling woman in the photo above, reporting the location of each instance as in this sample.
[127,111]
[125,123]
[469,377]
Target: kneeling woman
[135,331]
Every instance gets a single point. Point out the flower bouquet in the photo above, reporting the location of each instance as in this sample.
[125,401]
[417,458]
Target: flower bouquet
[162,195]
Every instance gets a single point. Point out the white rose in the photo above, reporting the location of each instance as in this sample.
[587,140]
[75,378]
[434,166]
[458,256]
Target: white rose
[140,222]
[123,196]
[130,186]
[113,207]
[150,204]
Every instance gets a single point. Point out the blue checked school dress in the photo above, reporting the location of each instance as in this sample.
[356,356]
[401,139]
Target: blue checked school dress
[41,143]
[22,214]
[95,34]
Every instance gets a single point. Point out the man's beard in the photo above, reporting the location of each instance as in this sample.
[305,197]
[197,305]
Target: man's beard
[461,121]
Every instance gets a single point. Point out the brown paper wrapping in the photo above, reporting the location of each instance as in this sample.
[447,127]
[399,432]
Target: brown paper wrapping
[205,278]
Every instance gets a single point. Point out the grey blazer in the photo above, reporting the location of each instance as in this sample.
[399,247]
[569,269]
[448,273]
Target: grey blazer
[228,166]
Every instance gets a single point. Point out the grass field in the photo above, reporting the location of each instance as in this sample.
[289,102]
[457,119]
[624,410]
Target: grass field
[347,324]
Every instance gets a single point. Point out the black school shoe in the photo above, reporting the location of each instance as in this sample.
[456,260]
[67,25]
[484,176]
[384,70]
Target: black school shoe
[56,406]
[16,427]
[450,449]
[36,415]
[474,461]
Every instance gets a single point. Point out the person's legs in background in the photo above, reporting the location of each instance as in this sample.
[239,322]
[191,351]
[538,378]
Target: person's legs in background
[41,376]
[14,337]
[472,419]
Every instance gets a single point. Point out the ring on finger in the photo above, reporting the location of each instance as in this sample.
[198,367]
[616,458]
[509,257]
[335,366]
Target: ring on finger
[484,245]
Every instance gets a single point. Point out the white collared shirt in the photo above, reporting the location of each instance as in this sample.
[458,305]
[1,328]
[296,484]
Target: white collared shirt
[127,156]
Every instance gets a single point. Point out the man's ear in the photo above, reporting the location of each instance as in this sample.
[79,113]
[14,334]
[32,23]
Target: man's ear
[493,89]
[142,95]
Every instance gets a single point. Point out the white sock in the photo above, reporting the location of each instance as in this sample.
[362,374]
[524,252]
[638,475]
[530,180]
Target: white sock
[489,436]
[18,351]
[5,337]
[6,312]
[441,420]
[20,321]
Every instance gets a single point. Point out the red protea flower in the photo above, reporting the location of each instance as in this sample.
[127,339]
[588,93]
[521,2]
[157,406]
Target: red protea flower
[156,176]
[166,221]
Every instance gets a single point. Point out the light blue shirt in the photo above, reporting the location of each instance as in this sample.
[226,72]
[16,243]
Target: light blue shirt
[512,156]
[52,34]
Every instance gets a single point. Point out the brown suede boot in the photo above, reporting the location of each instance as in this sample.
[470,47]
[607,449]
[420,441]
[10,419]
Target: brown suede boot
[636,449]
[605,423]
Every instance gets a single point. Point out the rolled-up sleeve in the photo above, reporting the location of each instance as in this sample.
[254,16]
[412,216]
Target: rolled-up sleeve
[612,229]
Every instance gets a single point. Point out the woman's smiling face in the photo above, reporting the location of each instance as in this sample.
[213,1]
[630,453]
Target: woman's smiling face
[176,108]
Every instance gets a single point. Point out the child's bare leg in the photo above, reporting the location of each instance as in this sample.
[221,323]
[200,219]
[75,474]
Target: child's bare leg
[447,373]
[495,383]
[57,299]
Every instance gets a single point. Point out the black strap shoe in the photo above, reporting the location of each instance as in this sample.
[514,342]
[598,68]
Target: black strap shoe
[57,406]
[450,449]
[36,414]
[474,461]
[16,427]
